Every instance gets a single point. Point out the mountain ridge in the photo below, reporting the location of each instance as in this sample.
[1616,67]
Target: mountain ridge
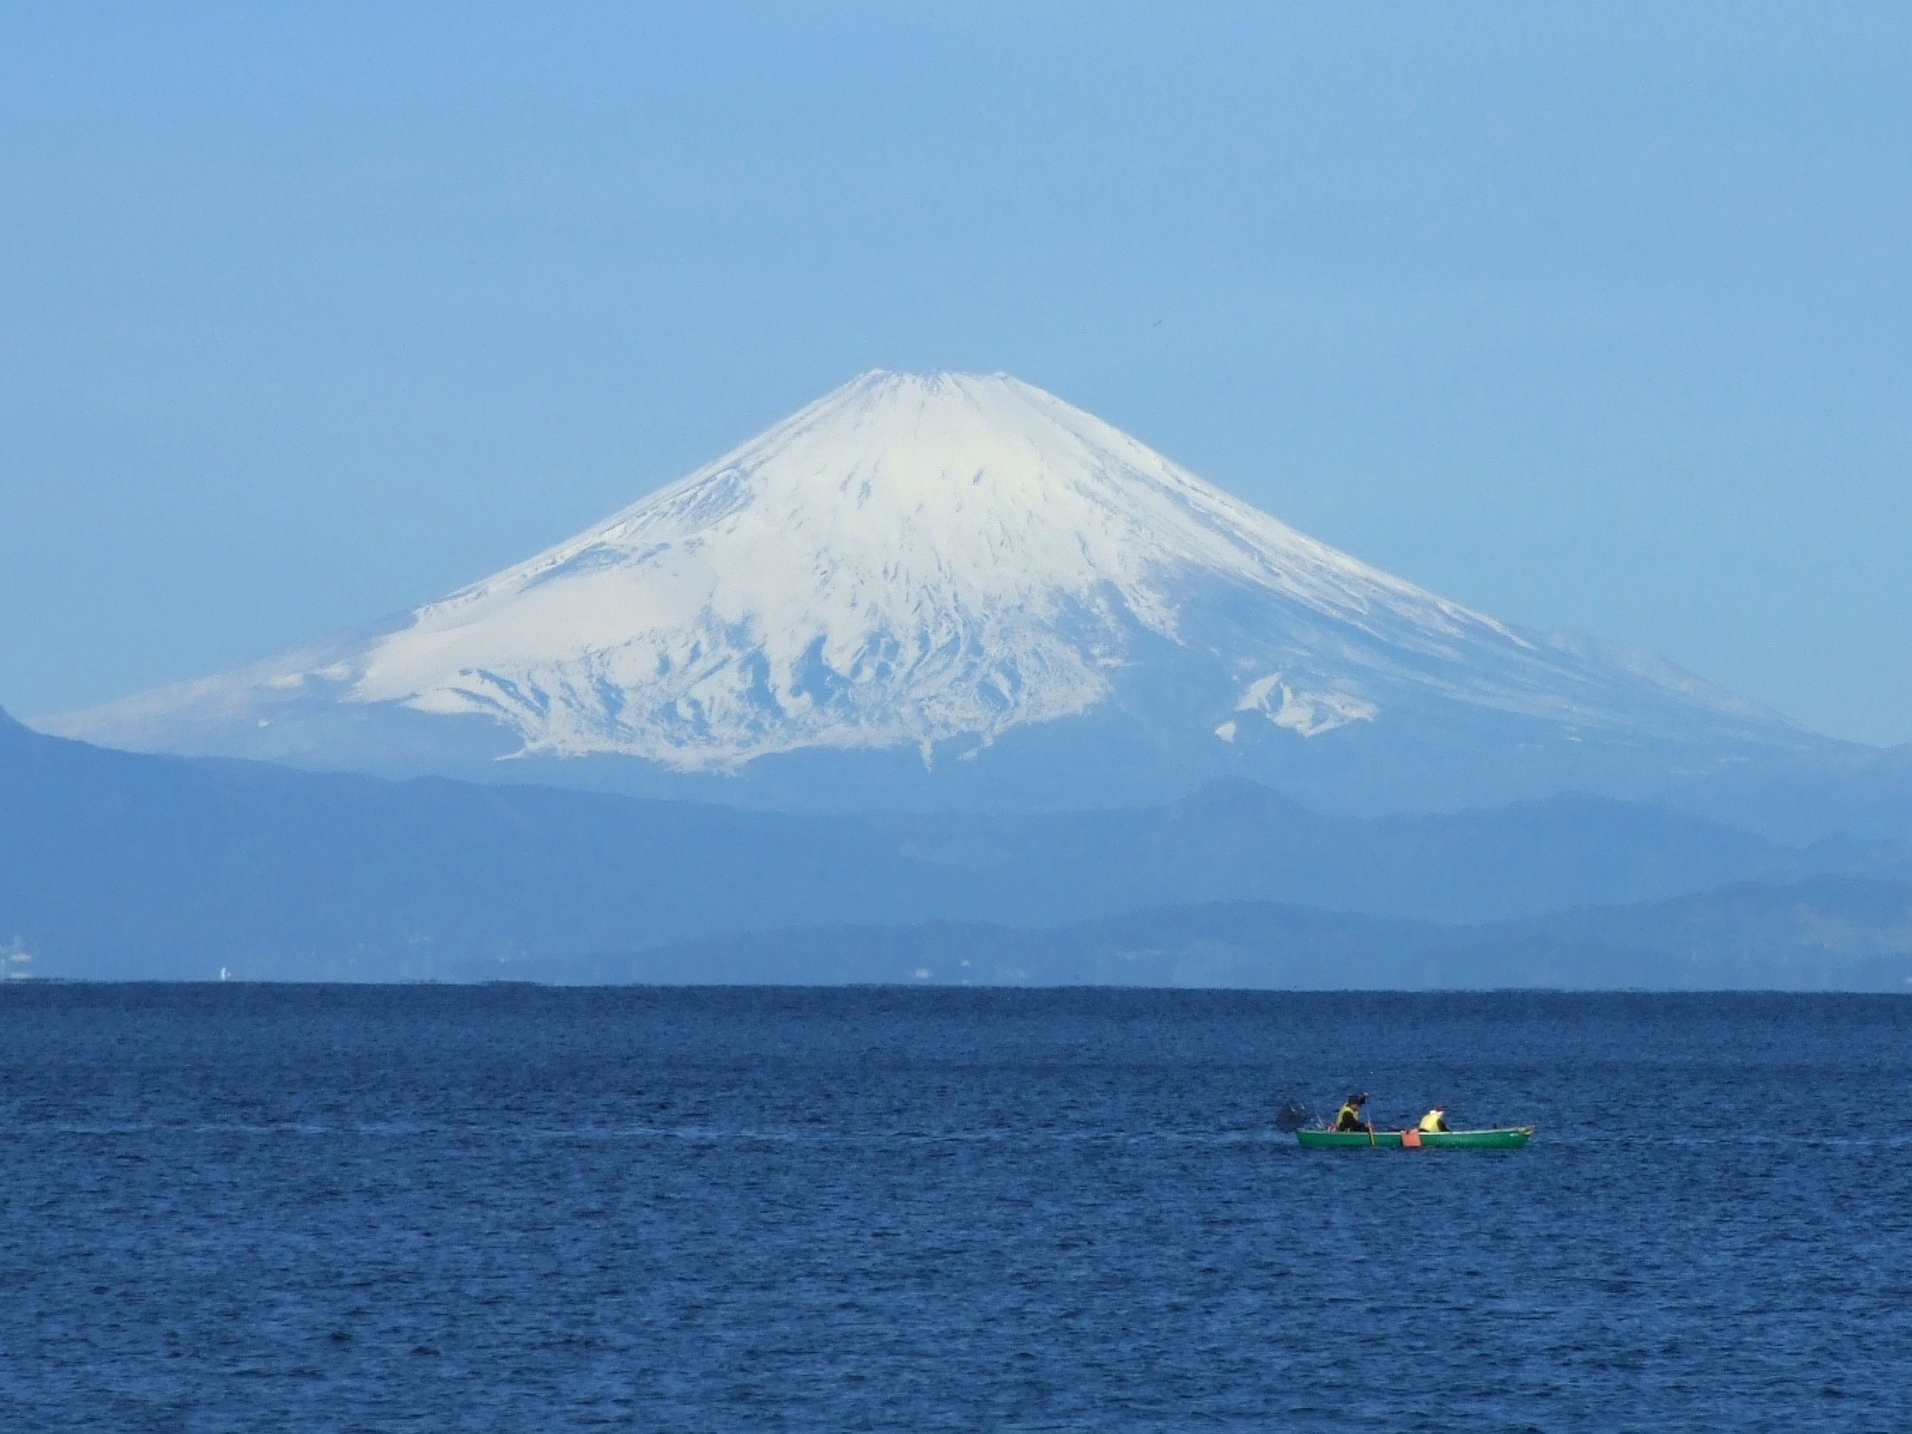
[1828,933]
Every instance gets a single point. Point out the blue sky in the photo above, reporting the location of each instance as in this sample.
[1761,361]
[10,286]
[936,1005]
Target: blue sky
[1592,317]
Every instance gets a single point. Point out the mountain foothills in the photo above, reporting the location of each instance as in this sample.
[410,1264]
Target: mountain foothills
[953,591]
[1828,933]
[124,865]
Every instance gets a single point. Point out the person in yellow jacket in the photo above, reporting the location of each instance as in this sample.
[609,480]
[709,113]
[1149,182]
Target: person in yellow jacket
[1351,1116]
[1434,1121]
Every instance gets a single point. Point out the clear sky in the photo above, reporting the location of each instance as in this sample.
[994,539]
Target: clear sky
[1591,316]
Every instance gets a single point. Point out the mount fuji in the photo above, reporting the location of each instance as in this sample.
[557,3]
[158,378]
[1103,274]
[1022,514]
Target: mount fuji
[953,590]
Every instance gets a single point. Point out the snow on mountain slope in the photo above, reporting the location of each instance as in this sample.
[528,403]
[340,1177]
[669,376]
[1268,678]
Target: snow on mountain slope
[908,560]
[917,561]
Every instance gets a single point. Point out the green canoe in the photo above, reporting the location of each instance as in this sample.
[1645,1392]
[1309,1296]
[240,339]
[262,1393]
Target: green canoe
[1510,1139]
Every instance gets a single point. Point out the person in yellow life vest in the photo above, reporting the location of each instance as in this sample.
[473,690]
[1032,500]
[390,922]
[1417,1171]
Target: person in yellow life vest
[1434,1121]
[1350,1116]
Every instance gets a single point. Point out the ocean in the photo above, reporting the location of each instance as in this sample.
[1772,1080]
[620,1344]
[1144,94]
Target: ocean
[238,1207]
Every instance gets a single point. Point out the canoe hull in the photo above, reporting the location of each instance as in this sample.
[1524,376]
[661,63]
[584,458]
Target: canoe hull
[1511,1138]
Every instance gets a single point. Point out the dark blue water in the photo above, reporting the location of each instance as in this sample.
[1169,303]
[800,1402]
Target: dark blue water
[523,1209]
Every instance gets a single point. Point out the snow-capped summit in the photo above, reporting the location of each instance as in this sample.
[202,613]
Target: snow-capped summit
[908,560]
[936,565]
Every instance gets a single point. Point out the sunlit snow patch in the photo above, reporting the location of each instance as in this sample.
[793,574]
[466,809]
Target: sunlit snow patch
[1308,713]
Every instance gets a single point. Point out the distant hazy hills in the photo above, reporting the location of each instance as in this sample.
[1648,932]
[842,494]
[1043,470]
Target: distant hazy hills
[1828,933]
[121,865]
[1802,796]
